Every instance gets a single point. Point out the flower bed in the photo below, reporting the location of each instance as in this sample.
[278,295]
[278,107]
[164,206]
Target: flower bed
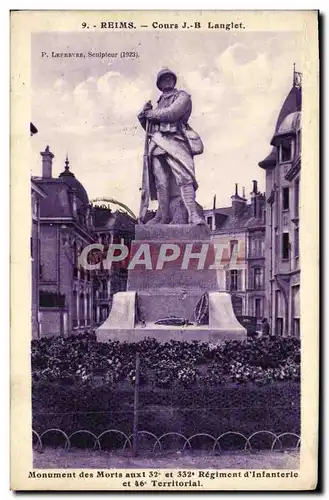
[185,387]
[82,360]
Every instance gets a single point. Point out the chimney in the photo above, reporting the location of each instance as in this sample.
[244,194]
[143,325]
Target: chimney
[238,203]
[260,201]
[47,163]
[257,201]
[214,204]
[254,193]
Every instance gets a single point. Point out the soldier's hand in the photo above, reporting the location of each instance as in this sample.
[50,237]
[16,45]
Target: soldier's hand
[147,106]
[149,114]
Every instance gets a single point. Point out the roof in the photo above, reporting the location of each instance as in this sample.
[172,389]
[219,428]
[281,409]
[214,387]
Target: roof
[220,210]
[290,126]
[37,189]
[242,221]
[270,159]
[291,105]
[291,123]
[106,220]
[57,202]
[73,182]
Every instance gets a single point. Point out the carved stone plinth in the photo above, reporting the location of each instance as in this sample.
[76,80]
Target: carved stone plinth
[171,271]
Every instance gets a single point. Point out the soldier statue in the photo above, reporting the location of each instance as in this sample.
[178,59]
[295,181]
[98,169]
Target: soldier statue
[171,144]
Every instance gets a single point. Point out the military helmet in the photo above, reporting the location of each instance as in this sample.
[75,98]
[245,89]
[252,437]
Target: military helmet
[165,71]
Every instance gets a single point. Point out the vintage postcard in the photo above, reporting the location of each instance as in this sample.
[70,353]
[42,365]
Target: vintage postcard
[164,250]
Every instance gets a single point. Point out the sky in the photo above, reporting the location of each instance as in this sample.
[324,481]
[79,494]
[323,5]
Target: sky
[87,108]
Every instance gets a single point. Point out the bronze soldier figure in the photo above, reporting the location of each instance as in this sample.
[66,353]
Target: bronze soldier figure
[171,148]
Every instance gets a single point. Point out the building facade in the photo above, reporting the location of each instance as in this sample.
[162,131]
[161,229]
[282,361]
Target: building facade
[65,296]
[37,194]
[239,230]
[110,228]
[282,167]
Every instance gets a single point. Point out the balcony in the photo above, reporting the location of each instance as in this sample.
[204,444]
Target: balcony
[256,254]
[259,286]
[233,287]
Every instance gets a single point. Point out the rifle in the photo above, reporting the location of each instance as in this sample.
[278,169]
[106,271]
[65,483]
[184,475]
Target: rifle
[145,194]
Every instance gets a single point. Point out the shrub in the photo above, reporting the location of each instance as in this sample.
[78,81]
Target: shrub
[83,360]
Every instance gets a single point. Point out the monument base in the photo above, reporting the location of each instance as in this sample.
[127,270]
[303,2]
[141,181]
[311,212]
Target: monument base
[165,334]
[172,288]
[122,323]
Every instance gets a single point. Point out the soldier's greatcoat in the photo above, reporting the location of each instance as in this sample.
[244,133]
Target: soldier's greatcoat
[168,140]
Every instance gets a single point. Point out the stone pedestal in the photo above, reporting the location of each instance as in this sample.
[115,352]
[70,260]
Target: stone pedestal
[171,269]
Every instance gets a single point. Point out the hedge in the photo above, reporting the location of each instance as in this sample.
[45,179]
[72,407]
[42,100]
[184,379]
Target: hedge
[243,408]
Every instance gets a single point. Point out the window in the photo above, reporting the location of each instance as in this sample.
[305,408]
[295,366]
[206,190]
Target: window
[75,260]
[276,244]
[253,245]
[258,308]
[279,326]
[34,205]
[51,299]
[233,247]
[237,304]
[297,198]
[285,246]
[258,278]
[35,208]
[295,310]
[262,248]
[74,309]
[257,247]
[279,313]
[296,327]
[299,142]
[209,222]
[297,242]
[104,313]
[285,198]
[286,150]
[234,280]
[88,309]
[82,309]
[103,294]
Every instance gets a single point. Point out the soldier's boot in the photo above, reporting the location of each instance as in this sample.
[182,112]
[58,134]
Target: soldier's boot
[156,219]
[188,195]
[162,215]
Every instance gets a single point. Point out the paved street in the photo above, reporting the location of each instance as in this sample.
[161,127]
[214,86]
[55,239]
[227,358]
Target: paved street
[58,458]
